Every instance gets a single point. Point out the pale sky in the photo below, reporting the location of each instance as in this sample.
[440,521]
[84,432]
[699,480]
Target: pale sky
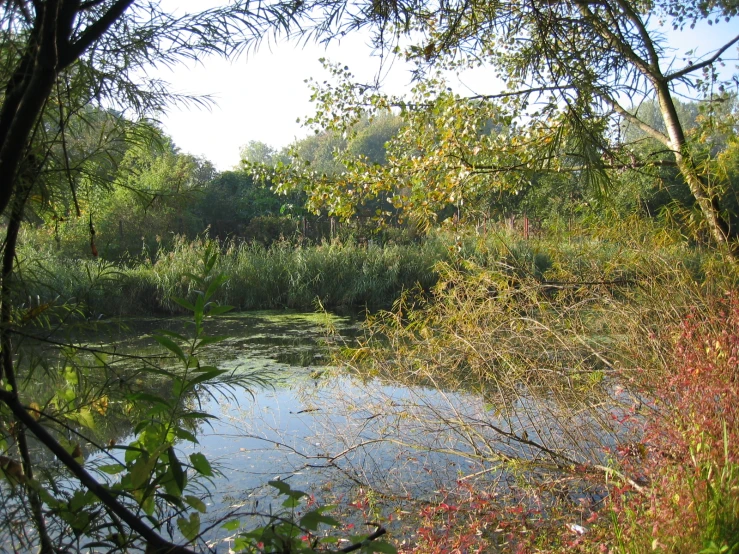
[260,97]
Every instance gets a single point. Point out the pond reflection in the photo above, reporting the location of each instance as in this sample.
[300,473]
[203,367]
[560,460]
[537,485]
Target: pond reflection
[324,430]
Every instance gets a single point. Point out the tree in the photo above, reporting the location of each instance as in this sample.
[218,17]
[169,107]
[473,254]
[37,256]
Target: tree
[588,56]
[231,200]
[57,57]
[569,68]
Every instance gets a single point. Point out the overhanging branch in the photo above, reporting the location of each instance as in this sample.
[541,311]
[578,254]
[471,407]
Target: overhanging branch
[631,118]
[704,63]
[155,541]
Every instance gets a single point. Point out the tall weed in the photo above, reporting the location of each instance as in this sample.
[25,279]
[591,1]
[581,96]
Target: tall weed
[585,367]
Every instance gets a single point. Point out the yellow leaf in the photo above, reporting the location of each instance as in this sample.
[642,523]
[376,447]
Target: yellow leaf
[34,410]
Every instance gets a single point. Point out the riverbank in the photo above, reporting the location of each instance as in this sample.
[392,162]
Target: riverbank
[346,275]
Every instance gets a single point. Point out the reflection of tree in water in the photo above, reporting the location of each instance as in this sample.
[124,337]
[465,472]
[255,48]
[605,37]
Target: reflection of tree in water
[88,399]
[117,379]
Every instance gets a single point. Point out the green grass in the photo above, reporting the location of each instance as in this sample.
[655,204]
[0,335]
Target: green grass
[348,275]
[284,276]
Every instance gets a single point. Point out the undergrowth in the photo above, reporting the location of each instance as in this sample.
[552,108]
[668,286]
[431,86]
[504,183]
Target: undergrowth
[339,275]
[610,368]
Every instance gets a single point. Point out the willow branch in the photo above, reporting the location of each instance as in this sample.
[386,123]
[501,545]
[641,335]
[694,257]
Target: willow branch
[704,63]
[93,32]
[631,118]
[155,541]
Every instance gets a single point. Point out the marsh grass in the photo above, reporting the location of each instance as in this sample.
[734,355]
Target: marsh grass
[334,274]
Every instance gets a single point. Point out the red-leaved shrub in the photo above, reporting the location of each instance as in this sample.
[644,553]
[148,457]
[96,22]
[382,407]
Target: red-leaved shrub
[693,436]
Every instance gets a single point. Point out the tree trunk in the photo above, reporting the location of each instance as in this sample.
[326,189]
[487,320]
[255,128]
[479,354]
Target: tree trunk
[707,202]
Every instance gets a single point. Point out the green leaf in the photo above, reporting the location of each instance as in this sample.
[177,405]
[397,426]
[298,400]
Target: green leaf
[45,495]
[196,278]
[293,496]
[231,525]
[145,396]
[112,469]
[196,503]
[70,376]
[313,519]
[156,410]
[132,453]
[190,528]
[210,262]
[80,499]
[83,417]
[184,434]
[199,309]
[66,395]
[291,502]
[202,378]
[215,285]
[176,468]
[218,310]
[177,387]
[201,464]
[184,303]
[141,471]
[198,415]
[172,346]
[283,487]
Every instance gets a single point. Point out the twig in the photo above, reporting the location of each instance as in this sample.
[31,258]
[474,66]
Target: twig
[374,536]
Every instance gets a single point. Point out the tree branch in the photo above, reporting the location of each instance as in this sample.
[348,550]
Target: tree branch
[374,536]
[704,63]
[631,118]
[93,33]
[643,33]
[154,540]
[616,43]
[521,92]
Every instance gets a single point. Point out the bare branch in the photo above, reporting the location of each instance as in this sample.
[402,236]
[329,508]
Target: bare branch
[631,118]
[704,63]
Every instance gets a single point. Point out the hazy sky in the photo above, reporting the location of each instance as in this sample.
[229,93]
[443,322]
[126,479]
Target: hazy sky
[260,97]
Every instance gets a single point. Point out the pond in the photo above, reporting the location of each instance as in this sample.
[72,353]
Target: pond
[318,428]
[332,433]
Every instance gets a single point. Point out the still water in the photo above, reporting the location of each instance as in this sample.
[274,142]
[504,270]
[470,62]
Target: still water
[328,431]
[315,426]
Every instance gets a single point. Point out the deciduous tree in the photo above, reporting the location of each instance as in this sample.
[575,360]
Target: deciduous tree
[572,70]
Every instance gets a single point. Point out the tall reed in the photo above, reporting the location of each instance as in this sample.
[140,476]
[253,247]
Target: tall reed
[339,275]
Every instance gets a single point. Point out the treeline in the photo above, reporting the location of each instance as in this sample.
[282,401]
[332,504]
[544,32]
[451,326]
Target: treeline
[143,207]
[134,192]
[130,191]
